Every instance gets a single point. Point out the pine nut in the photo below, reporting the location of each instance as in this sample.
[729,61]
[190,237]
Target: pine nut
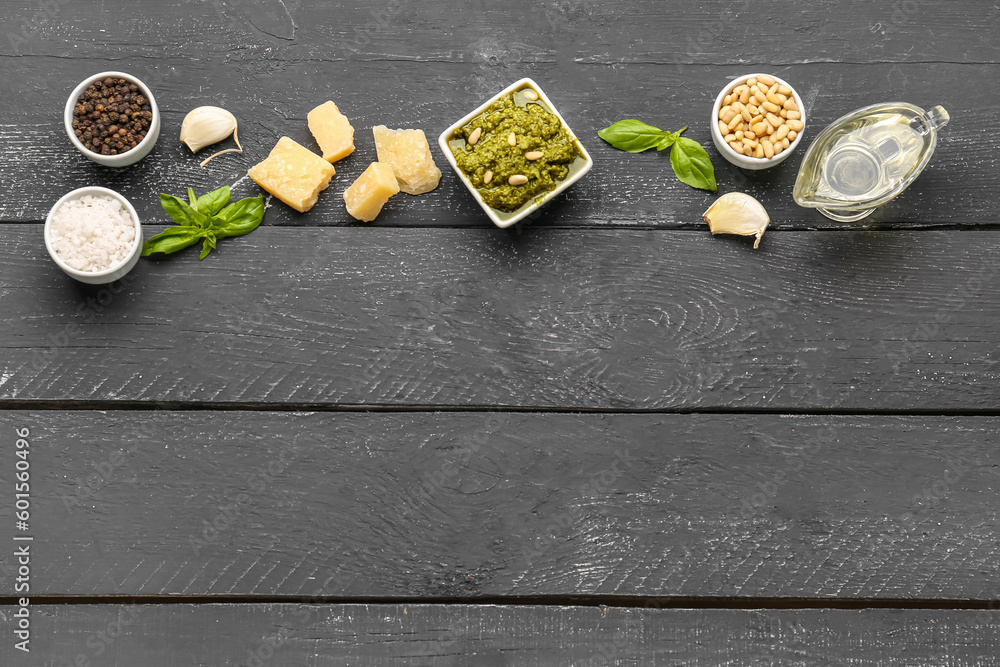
[512,140]
[474,137]
[760,117]
[487,177]
[517,179]
[533,155]
[530,94]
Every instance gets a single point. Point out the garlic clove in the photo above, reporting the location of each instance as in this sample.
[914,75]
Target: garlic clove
[737,213]
[208,125]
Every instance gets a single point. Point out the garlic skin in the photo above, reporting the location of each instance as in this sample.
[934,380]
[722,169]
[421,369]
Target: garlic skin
[208,125]
[737,213]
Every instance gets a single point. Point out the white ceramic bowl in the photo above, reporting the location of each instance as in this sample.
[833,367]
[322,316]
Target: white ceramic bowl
[128,157]
[112,273]
[541,199]
[742,160]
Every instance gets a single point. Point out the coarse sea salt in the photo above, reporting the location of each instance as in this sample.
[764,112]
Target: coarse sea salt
[92,233]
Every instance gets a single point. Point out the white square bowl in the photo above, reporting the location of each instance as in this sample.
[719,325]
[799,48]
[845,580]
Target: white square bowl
[539,200]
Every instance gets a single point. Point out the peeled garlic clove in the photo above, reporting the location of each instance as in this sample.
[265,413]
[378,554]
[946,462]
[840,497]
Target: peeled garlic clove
[205,126]
[737,213]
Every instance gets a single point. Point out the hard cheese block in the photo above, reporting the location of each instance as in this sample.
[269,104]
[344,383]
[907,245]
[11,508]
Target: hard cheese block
[366,196]
[293,174]
[332,130]
[409,155]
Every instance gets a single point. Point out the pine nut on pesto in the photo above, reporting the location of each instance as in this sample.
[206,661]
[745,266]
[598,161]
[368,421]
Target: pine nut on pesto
[510,174]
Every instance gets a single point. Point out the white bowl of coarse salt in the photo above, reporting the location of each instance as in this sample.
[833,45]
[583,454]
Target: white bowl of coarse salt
[94,235]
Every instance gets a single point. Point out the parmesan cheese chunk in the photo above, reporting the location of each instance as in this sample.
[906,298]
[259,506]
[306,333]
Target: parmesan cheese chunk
[332,130]
[409,155]
[367,195]
[293,174]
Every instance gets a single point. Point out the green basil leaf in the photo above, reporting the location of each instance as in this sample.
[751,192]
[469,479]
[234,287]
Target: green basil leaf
[633,135]
[213,202]
[208,246]
[240,218]
[192,199]
[668,140]
[182,213]
[692,164]
[171,240]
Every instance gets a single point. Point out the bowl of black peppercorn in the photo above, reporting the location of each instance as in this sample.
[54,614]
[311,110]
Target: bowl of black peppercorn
[112,118]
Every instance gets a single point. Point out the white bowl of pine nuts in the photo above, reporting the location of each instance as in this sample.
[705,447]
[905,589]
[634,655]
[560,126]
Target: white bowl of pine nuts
[757,121]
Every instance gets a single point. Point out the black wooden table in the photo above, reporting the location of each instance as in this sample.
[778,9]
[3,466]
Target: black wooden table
[605,437]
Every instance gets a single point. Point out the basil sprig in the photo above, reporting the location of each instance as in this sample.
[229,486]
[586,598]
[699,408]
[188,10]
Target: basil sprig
[206,217]
[690,161]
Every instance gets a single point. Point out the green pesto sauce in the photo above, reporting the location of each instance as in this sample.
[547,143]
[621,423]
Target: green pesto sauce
[536,129]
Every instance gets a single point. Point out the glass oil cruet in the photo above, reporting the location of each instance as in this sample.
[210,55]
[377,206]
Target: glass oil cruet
[867,158]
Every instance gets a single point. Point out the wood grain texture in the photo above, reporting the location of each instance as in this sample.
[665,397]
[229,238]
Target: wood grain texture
[394,62]
[483,505]
[379,634]
[615,319]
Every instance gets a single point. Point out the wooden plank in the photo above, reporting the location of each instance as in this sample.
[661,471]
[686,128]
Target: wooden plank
[418,634]
[479,505]
[272,60]
[617,319]
[622,190]
[731,32]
